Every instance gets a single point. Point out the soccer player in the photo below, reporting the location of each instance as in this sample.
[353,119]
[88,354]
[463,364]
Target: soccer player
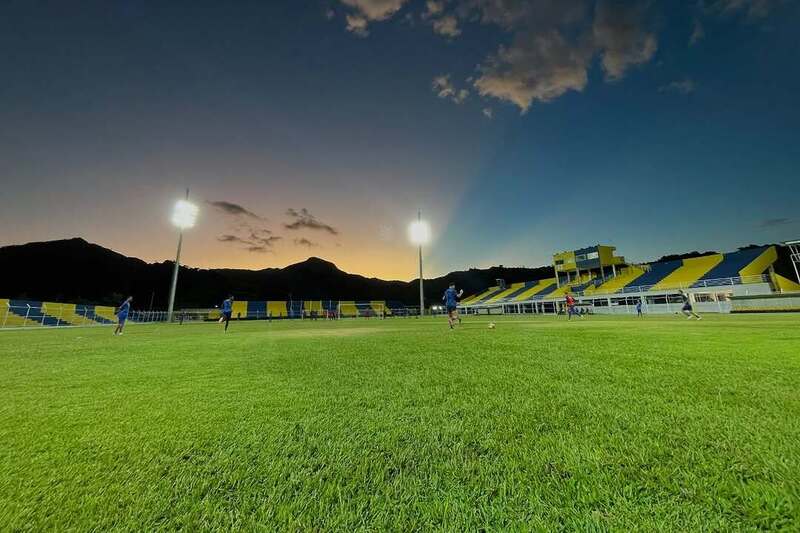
[450,299]
[227,309]
[571,310]
[639,307]
[122,314]
[687,306]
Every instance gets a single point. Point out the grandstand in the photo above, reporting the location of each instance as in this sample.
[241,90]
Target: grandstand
[29,313]
[606,283]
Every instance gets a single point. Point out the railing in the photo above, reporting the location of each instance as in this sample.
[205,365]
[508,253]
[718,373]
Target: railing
[719,282]
[56,315]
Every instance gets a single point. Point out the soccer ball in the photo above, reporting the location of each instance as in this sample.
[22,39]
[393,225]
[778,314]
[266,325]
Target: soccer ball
[492,325]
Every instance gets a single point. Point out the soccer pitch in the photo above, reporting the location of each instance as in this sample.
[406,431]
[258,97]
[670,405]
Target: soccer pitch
[401,424]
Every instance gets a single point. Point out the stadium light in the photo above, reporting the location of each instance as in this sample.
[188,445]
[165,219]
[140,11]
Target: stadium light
[420,234]
[184,216]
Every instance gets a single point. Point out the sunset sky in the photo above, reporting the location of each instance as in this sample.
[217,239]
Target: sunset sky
[520,128]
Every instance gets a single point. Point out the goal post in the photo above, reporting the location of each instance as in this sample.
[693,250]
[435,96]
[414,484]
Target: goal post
[361,310]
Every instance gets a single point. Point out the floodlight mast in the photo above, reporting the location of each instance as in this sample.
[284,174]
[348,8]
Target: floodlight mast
[420,234]
[184,216]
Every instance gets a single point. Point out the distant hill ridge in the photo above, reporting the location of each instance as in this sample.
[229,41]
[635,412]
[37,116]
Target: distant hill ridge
[74,270]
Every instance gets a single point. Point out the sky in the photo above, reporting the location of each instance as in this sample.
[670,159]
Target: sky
[320,128]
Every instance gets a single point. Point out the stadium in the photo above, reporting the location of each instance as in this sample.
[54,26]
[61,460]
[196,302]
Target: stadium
[320,414]
[399,265]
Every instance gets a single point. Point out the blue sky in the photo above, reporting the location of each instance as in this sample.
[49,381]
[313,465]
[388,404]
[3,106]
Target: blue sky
[519,128]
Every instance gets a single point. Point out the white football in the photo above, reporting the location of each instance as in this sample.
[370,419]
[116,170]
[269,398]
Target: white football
[492,325]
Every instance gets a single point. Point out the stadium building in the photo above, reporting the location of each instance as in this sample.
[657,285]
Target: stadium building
[602,282]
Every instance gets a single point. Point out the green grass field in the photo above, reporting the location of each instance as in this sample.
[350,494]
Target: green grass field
[603,424]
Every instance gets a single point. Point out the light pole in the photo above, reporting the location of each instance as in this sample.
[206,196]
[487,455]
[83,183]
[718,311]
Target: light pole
[184,216]
[420,233]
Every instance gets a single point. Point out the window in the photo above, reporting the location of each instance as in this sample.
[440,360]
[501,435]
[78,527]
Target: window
[593,255]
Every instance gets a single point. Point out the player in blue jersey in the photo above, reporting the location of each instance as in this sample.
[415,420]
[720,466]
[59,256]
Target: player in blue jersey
[687,308]
[639,307]
[122,314]
[450,300]
[227,309]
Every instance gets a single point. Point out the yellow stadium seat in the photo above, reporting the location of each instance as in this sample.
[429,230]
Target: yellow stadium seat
[688,273]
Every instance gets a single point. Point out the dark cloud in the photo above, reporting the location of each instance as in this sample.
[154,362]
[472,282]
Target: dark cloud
[772,222]
[258,241]
[303,219]
[230,208]
[305,242]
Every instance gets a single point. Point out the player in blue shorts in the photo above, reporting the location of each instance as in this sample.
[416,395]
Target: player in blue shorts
[639,307]
[122,314]
[687,306]
[227,309]
[450,300]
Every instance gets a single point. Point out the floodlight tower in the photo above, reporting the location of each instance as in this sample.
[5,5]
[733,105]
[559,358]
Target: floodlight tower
[420,234]
[184,216]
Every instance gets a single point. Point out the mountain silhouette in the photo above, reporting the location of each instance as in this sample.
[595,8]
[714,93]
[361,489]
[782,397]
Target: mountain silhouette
[74,270]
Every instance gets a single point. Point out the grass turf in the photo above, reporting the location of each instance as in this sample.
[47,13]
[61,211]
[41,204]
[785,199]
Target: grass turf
[605,423]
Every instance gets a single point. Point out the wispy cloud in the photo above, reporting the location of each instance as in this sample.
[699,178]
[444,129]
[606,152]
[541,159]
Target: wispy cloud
[303,219]
[447,26]
[255,242]
[233,209]
[306,243]
[444,88]
[365,12]
[772,222]
[686,86]
[488,113]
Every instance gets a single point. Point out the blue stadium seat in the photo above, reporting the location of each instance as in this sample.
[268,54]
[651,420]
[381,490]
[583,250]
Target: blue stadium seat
[732,263]
[657,272]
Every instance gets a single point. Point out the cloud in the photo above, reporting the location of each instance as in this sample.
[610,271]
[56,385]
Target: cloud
[621,37]
[554,44]
[772,222]
[232,209]
[535,67]
[447,26]
[357,24]
[366,11]
[433,8]
[698,32]
[258,241]
[488,113]
[305,242]
[549,45]
[303,219]
[444,88]
[686,86]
